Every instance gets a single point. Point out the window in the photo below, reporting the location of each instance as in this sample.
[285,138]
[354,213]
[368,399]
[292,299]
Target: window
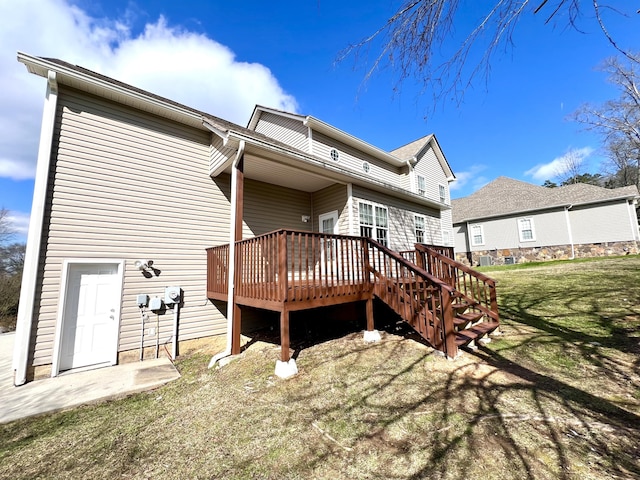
[422,185]
[525,228]
[477,235]
[335,156]
[443,193]
[374,222]
[419,228]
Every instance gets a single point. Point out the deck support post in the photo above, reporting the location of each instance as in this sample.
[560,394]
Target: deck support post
[236,328]
[450,348]
[285,367]
[371,335]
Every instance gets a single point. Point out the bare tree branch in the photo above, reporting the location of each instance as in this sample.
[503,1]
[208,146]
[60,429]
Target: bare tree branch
[412,40]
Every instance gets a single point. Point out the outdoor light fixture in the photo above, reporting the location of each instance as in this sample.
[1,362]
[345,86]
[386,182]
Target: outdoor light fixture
[144,266]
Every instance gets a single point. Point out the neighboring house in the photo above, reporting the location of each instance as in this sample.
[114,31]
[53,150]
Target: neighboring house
[509,221]
[131,188]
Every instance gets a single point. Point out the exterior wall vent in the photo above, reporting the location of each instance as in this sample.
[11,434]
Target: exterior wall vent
[510,260]
[335,155]
[366,167]
[486,260]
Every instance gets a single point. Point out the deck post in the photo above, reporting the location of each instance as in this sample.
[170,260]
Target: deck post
[450,347]
[369,314]
[285,354]
[371,335]
[285,367]
[236,328]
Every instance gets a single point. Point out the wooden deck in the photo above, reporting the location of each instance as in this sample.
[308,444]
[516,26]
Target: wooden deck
[289,270]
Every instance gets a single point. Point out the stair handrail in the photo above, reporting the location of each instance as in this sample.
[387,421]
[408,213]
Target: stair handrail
[448,293]
[484,299]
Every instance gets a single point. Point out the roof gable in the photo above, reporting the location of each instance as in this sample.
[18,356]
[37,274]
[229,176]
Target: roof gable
[413,151]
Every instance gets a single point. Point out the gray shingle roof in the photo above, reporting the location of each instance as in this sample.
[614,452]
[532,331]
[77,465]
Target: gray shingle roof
[408,151]
[506,196]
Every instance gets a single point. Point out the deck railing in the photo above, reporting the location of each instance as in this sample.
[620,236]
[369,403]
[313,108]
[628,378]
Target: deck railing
[312,269]
[218,271]
[291,266]
[476,289]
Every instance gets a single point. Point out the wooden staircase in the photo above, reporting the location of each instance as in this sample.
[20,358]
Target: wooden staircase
[449,304]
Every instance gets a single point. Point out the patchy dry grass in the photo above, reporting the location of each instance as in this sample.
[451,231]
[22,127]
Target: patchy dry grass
[557,396]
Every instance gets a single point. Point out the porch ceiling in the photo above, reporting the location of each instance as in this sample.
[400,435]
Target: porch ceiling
[269,171]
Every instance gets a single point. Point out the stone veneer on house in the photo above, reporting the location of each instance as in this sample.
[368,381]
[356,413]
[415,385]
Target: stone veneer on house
[556,252]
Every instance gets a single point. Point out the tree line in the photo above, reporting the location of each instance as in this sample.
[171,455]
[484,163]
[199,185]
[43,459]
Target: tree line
[11,265]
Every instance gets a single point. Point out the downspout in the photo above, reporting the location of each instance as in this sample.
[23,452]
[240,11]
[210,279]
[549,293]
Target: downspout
[232,257]
[350,207]
[32,252]
[566,214]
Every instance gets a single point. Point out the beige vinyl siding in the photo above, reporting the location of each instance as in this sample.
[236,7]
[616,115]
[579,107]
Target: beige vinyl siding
[550,228]
[330,199]
[401,219]
[602,223]
[352,159]
[446,223]
[429,167]
[285,129]
[218,153]
[270,207]
[126,185]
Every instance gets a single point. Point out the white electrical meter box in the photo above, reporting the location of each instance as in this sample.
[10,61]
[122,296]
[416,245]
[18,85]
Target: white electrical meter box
[143,300]
[172,295]
[155,304]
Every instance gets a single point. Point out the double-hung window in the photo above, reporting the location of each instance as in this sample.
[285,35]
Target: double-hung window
[419,228]
[443,193]
[422,185]
[477,235]
[526,230]
[374,222]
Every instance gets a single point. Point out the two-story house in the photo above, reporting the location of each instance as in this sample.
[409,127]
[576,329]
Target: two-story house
[131,188]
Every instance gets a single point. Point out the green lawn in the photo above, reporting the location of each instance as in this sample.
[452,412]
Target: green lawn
[557,396]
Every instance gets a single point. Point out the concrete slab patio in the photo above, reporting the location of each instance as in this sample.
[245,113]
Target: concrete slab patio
[74,389]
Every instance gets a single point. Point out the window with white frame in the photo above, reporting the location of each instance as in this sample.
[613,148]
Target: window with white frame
[526,230]
[477,235]
[419,228]
[443,193]
[421,185]
[374,222]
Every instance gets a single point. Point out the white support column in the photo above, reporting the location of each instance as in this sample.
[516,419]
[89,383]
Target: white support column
[32,253]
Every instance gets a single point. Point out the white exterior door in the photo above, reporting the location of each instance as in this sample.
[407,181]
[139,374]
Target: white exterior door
[91,315]
[328,223]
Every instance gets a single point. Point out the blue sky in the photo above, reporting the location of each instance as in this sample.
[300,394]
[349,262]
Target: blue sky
[224,57]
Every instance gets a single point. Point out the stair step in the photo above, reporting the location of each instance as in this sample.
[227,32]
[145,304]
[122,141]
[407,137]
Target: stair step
[462,305]
[464,318]
[475,332]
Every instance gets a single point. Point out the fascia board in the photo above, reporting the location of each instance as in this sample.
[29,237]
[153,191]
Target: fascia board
[433,141]
[41,67]
[334,172]
[257,113]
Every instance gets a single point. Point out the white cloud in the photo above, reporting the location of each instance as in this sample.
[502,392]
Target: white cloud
[559,165]
[470,179]
[187,67]
[19,223]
